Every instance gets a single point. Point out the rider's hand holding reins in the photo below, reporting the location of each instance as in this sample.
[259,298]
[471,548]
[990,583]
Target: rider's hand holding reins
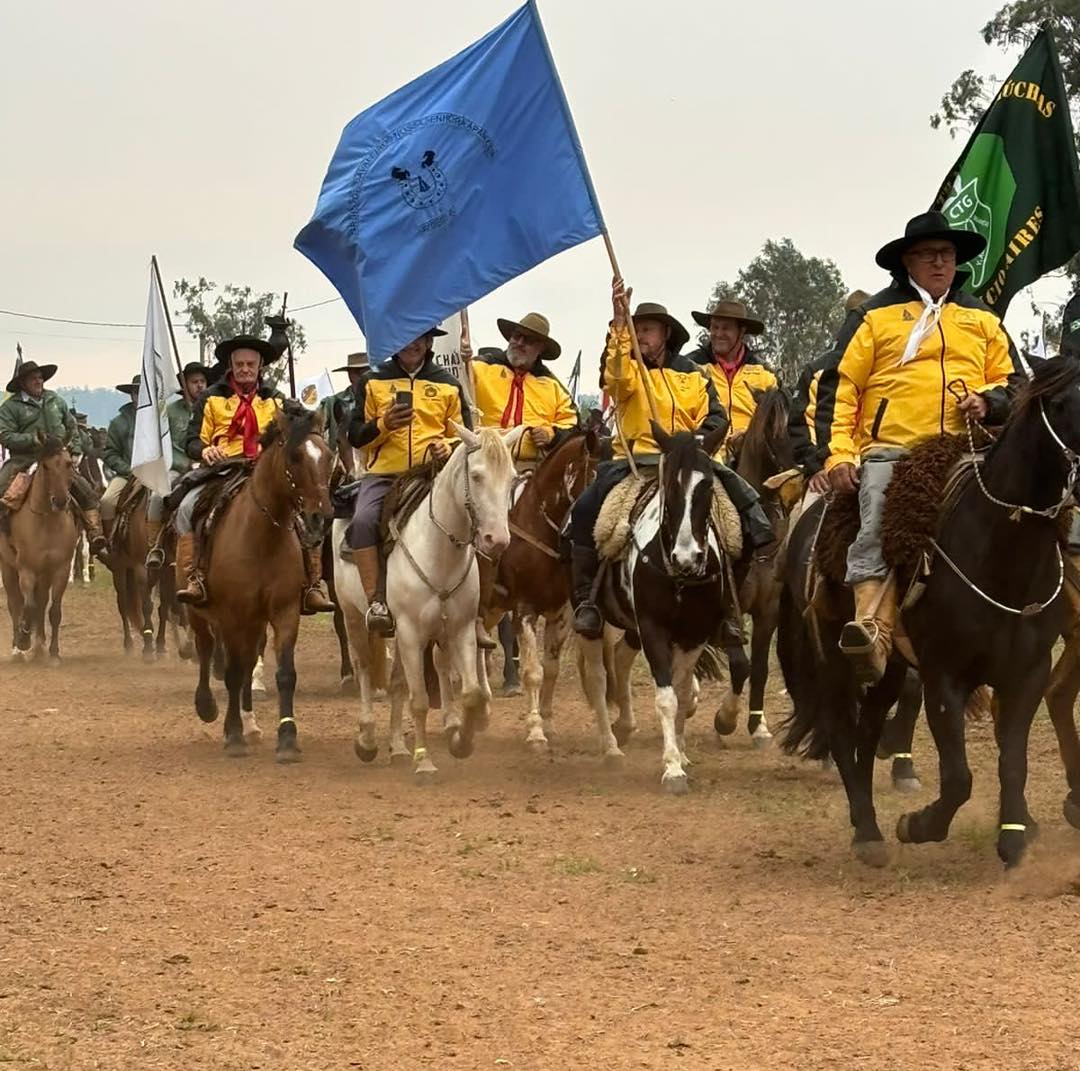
[541,436]
[820,483]
[974,406]
[440,449]
[844,479]
[211,455]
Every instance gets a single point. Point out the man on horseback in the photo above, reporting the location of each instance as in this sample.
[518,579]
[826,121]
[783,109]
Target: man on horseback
[402,418]
[226,425]
[359,370]
[192,382]
[686,400]
[119,442]
[32,415]
[737,372]
[918,360]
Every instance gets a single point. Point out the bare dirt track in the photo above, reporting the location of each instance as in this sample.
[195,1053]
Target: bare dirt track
[166,907]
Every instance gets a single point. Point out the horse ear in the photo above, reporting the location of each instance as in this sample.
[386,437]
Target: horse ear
[339,411]
[712,441]
[469,438]
[592,442]
[512,437]
[660,437]
[758,393]
[318,424]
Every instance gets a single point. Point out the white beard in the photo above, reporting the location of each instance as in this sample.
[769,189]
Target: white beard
[517,360]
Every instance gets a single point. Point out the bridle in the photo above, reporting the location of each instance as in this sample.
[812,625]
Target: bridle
[296,499]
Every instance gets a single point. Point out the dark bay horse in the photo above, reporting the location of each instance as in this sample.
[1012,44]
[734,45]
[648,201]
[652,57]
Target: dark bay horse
[36,552]
[255,575]
[533,581]
[990,613]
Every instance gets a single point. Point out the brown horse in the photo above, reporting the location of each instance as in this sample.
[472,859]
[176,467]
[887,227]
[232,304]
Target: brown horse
[532,579]
[255,573]
[1061,695]
[36,552]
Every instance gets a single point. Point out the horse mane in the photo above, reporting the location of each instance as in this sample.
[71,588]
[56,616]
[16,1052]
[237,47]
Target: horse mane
[300,423]
[684,452]
[769,423]
[1050,378]
[493,450]
[50,448]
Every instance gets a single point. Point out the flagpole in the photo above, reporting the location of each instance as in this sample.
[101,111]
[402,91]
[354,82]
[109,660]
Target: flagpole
[168,317]
[292,365]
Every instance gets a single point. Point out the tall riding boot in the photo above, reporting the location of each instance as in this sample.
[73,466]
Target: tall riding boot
[316,597]
[99,544]
[155,556]
[584,564]
[730,632]
[867,641]
[373,576]
[190,586]
[487,569]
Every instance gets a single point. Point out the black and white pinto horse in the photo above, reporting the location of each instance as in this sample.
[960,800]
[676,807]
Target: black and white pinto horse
[667,596]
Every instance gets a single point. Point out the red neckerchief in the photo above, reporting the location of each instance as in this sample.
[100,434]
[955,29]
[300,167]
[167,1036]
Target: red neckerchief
[244,421]
[730,367]
[515,404]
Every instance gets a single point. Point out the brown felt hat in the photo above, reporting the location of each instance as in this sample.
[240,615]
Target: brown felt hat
[729,309]
[47,372]
[650,310]
[855,299]
[355,362]
[532,324]
[131,388]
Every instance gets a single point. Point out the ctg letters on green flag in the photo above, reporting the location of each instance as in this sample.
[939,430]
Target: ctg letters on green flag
[1017,182]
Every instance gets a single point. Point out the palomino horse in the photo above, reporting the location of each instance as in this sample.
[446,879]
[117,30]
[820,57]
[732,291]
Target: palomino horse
[765,453]
[255,575]
[89,468]
[35,555]
[532,580]
[668,594]
[433,589]
[989,614]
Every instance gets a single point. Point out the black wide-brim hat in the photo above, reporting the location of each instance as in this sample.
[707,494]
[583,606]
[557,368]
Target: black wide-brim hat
[650,310]
[928,227]
[47,372]
[227,347]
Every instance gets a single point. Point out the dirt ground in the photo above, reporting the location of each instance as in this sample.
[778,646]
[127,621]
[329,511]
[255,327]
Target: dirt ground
[164,906]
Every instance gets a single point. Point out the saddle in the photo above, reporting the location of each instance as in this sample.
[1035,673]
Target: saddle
[15,495]
[132,497]
[401,502]
[627,500]
[223,486]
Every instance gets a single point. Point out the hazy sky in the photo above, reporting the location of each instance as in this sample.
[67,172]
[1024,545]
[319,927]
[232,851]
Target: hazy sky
[201,131]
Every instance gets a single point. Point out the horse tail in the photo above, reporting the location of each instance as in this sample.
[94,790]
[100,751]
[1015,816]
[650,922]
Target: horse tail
[802,731]
[377,661]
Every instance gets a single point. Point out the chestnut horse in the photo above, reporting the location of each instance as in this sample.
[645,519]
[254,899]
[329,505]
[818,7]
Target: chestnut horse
[255,574]
[533,581]
[36,552]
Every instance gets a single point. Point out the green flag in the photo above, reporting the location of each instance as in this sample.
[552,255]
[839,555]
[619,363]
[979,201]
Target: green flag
[1017,182]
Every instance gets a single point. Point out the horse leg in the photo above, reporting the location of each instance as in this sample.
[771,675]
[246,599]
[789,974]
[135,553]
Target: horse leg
[945,701]
[41,606]
[145,594]
[252,732]
[237,668]
[475,697]
[531,673]
[556,629]
[726,720]
[899,732]
[594,680]
[508,636]
[764,626]
[1061,696]
[25,629]
[685,695]
[120,586]
[410,651]
[205,703]
[286,627]
[622,659]
[665,663]
[441,670]
[347,670]
[56,612]
[397,689]
[14,604]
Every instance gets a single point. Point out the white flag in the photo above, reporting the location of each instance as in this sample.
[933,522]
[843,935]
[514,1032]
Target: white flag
[151,454]
[1038,347]
[447,351]
[312,390]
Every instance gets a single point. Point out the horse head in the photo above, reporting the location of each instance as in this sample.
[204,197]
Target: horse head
[766,447]
[569,467]
[306,463]
[1051,398]
[489,477]
[56,471]
[686,494]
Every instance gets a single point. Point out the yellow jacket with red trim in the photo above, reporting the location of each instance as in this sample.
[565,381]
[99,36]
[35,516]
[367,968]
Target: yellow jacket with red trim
[867,399]
[214,412]
[737,394]
[546,402]
[437,400]
[685,397]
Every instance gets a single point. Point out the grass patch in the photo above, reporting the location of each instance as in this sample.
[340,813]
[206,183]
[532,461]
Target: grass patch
[194,1022]
[636,875]
[574,866]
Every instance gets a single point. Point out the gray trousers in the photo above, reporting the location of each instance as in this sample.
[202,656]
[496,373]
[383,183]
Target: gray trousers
[865,560]
[183,519]
[155,507]
[367,511]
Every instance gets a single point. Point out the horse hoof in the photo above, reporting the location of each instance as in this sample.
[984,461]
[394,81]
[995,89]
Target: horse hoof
[54,661]
[726,719]
[252,734]
[399,758]
[872,852]
[148,656]
[761,738]
[907,786]
[1010,847]
[365,754]
[677,785]
[206,708]
[287,755]
[460,745]
[236,749]
[903,829]
[185,651]
[537,747]
[349,685]
[511,691]
[1071,810]
[614,760]
[622,733]
[425,775]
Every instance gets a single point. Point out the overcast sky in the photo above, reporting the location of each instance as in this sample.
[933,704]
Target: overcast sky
[201,131]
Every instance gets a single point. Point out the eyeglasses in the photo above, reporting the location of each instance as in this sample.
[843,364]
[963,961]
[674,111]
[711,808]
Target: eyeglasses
[929,256]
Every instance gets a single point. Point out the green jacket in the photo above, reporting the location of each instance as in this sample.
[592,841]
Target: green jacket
[120,440]
[179,417]
[21,421]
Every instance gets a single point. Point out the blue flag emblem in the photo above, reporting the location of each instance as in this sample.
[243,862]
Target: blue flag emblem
[454,184]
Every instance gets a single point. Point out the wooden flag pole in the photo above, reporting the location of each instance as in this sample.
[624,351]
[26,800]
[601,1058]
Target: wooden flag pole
[646,382]
[292,363]
[168,317]
[465,346]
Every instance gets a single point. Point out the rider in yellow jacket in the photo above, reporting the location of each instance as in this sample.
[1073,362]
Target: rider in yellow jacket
[914,362]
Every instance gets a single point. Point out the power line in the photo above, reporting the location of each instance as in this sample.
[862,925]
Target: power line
[64,320]
[313,305]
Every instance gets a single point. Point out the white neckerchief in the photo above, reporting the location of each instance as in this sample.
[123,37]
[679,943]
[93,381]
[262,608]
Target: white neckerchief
[926,323]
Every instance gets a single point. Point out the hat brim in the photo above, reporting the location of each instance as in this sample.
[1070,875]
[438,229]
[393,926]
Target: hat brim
[352,368]
[753,327]
[224,350]
[127,388]
[193,370]
[679,335]
[551,348]
[968,245]
[47,372]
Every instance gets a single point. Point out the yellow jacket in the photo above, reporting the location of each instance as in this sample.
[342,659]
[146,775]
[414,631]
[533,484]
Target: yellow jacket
[684,395]
[214,412]
[436,400]
[542,403]
[737,394]
[867,399]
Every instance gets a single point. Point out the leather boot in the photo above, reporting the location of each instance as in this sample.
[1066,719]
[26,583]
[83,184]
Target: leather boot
[99,545]
[155,556]
[487,569]
[867,641]
[316,597]
[730,632]
[370,565]
[190,586]
[587,622]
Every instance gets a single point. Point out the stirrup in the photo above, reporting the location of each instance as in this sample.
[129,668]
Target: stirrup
[194,594]
[859,644]
[587,621]
[315,601]
[379,619]
[155,557]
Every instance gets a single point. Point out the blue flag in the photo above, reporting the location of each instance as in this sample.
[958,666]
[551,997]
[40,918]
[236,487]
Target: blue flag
[454,184]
